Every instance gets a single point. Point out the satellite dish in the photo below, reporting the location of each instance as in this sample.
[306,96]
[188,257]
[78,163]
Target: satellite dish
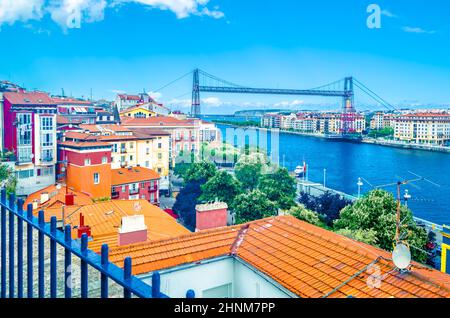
[58,186]
[401,256]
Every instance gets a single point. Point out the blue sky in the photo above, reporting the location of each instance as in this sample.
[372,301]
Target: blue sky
[129,45]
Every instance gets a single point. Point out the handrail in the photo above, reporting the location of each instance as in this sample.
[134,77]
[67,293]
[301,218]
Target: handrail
[78,248]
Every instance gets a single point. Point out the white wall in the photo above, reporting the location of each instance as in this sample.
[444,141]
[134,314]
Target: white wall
[245,282]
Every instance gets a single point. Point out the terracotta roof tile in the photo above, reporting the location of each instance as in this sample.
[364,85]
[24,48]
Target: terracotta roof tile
[307,260]
[132,175]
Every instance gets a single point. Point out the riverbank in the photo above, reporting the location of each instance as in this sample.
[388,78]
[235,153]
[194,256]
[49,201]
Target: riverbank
[379,142]
[396,144]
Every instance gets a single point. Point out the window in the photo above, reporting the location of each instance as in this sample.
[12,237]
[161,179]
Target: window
[131,158]
[96,178]
[114,149]
[24,174]
[104,159]
[87,161]
[46,123]
[142,185]
[147,164]
[159,156]
[159,145]
[159,170]
[47,139]
[24,129]
[131,145]
[152,197]
[124,189]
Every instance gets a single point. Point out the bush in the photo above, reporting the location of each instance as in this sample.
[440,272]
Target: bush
[305,215]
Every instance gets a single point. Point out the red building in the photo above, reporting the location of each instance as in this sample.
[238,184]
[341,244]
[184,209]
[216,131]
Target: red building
[29,130]
[87,167]
[135,183]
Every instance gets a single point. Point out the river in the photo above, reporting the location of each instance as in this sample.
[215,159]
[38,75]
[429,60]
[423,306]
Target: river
[345,162]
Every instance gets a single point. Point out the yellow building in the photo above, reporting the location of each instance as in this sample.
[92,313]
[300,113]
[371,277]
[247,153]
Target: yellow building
[152,150]
[138,112]
[423,128]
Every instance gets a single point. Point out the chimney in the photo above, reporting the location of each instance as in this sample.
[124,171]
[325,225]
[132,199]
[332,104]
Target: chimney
[132,230]
[211,215]
[69,199]
[44,197]
[82,229]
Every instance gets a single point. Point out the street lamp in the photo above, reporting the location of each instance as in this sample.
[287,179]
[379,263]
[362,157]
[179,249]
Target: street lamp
[359,184]
[406,196]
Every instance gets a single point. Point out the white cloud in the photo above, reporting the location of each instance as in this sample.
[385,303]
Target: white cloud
[20,10]
[155,95]
[213,101]
[388,14]
[417,30]
[72,13]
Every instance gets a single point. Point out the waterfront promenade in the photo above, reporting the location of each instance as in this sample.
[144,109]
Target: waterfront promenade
[345,162]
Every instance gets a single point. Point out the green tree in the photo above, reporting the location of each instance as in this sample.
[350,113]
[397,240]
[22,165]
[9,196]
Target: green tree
[279,188]
[223,187]
[253,206]
[377,211]
[301,213]
[249,174]
[185,204]
[365,236]
[7,178]
[200,171]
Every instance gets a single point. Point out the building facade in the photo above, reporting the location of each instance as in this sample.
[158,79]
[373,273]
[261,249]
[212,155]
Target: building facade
[423,128]
[134,184]
[29,131]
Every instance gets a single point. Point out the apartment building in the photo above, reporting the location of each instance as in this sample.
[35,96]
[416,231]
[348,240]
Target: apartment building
[184,134]
[135,183]
[381,120]
[29,130]
[271,120]
[137,147]
[423,128]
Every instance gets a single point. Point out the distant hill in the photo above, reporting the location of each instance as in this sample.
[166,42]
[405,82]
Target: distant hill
[260,112]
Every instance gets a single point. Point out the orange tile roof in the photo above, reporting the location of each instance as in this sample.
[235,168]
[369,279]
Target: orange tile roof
[29,98]
[155,122]
[105,218]
[98,128]
[57,197]
[132,175]
[84,144]
[306,260]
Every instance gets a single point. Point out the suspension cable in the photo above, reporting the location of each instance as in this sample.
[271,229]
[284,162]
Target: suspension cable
[173,82]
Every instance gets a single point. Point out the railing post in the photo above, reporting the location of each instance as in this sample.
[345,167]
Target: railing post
[12,283]
[41,281]
[127,276]
[53,271]
[103,277]
[29,251]
[190,294]
[3,247]
[84,269]
[67,262]
[156,285]
[20,249]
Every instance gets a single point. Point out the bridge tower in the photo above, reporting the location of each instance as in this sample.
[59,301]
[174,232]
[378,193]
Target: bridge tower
[348,111]
[195,108]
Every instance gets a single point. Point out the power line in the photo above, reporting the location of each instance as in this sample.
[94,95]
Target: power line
[173,82]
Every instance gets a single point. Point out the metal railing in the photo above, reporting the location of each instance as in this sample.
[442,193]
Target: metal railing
[20,222]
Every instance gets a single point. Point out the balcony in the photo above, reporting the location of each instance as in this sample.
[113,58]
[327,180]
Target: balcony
[123,150]
[134,191]
[150,189]
[114,195]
